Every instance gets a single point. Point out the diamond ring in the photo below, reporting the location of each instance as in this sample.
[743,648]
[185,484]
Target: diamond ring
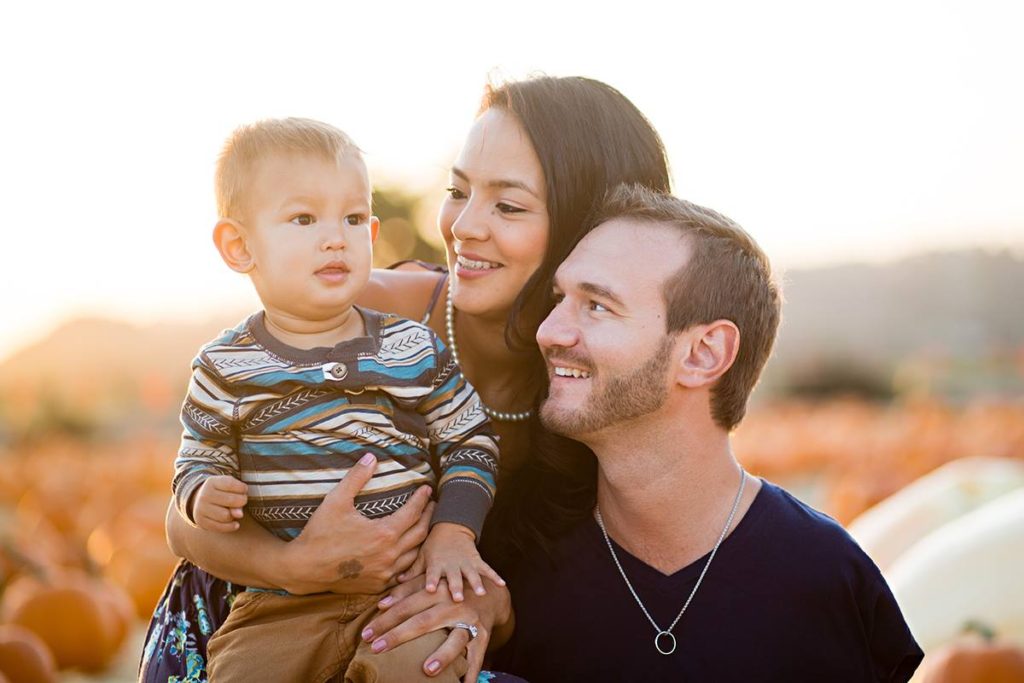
[469,627]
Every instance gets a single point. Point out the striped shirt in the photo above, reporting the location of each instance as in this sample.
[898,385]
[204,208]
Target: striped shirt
[290,423]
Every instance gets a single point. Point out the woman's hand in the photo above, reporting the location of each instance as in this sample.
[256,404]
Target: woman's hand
[410,611]
[341,551]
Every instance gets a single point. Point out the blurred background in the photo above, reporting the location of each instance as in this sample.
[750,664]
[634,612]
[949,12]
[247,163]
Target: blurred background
[876,152]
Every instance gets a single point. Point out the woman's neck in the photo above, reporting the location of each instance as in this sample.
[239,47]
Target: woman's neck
[505,379]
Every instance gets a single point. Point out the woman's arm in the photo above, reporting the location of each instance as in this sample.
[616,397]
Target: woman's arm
[410,611]
[339,550]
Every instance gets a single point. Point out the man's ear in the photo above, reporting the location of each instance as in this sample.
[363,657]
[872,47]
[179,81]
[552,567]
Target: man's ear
[706,352]
[229,238]
[374,228]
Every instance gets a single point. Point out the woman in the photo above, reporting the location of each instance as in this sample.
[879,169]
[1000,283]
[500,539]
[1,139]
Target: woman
[539,156]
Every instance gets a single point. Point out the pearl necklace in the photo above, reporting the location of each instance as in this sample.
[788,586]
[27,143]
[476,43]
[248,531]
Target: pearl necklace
[667,632]
[449,320]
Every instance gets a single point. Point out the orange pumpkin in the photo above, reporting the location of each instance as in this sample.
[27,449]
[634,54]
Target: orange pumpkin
[24,657]
[976,658]
[72,613]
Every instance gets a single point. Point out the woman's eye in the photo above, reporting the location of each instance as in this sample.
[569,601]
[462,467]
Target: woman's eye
[598,306]
[508,208]
[455,193]
[355,219]
[304,219]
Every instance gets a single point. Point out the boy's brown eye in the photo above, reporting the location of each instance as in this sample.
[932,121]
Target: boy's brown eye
[355,219]
[304,219]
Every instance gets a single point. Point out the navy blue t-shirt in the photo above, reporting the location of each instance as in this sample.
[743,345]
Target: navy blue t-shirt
[789,597]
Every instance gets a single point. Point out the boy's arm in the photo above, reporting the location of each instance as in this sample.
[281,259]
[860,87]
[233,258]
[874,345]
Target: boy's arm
[465,447]
[207,442]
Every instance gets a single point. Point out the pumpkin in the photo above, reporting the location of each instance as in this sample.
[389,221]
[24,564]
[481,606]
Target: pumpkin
[24,657]
[975,658]
[893,525]
[968,569]
[75,615]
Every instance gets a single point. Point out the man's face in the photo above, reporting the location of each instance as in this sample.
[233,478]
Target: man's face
[605,342]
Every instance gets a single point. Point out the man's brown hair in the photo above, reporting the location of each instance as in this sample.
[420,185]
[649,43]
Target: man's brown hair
[727,277]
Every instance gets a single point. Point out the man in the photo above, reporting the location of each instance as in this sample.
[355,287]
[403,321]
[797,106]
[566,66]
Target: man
[690,570]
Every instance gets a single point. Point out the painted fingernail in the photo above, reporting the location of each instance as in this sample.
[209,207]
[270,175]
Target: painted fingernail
[378,645]
[433,666]
[386,602]
[367,633]
[367,459]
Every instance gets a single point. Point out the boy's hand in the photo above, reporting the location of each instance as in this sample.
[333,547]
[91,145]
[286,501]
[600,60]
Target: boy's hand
[450,552]
[217,505]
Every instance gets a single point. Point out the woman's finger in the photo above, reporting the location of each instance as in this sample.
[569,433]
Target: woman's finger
[449,651]
[475,652]
[412,627]
[411,564]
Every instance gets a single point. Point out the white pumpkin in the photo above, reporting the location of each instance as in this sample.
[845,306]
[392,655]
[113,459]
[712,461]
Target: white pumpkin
[886,530]
[969,569]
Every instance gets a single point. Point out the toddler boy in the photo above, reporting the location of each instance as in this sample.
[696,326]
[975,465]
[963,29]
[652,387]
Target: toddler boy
[281,406]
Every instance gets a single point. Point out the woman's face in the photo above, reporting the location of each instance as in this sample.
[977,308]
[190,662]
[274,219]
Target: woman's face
[495,219]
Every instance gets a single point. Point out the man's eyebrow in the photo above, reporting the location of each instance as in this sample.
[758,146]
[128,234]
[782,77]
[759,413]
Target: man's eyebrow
[500,183]
[601,291]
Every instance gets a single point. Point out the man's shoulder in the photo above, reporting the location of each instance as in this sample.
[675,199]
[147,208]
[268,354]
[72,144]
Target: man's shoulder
[807,534]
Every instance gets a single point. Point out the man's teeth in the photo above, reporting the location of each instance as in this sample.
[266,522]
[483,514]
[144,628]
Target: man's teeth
[476,265]
[571,372]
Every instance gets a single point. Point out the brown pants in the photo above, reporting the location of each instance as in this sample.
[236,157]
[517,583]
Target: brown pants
[285,638]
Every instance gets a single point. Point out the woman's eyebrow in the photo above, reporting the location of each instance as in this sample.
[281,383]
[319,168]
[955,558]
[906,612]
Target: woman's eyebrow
[500,183]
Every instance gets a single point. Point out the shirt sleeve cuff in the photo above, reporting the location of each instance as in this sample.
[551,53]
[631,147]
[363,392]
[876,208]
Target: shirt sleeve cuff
[463,501]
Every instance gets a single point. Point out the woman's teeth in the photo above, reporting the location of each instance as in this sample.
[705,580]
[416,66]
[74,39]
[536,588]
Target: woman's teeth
[475,265]
[571,372]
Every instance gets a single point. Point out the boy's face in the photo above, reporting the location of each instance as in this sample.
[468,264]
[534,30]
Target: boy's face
[309,232]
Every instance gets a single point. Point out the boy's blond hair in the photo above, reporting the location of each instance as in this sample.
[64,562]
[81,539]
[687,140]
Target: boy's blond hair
[250,143]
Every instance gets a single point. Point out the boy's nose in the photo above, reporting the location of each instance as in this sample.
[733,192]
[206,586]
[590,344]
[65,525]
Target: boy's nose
[334,238]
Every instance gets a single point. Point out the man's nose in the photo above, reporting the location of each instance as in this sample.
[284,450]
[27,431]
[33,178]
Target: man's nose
[557,330]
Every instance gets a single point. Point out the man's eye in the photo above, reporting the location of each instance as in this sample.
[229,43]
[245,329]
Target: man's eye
[598,306]
[304,219]
[355,219]
[455,193]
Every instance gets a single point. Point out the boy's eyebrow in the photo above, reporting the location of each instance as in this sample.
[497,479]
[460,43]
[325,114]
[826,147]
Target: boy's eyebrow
[499,183]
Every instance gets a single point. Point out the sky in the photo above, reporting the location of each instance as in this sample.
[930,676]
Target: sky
[832,132]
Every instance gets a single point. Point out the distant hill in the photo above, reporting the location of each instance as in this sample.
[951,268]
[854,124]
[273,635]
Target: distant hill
[958,307]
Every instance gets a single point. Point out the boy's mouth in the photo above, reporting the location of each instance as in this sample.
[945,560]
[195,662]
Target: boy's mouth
[335,271]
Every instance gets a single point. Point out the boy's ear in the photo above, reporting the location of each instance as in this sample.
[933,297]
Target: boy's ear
[374,228]
[706,352]
[229,238]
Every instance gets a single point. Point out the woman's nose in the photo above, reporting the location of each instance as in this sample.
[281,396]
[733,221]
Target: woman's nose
[471,223]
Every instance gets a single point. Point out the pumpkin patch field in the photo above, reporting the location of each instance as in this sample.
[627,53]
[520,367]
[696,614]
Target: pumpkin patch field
[927,488]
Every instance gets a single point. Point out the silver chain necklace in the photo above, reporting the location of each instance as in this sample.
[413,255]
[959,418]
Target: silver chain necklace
[667,632]
[449,321]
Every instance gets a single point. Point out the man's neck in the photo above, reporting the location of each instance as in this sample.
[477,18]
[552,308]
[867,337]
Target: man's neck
[665,493]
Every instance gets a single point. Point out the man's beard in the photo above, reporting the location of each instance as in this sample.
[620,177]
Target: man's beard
[623,397]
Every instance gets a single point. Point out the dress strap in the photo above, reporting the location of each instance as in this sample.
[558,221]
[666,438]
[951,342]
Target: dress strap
[434,267]
[434,297]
